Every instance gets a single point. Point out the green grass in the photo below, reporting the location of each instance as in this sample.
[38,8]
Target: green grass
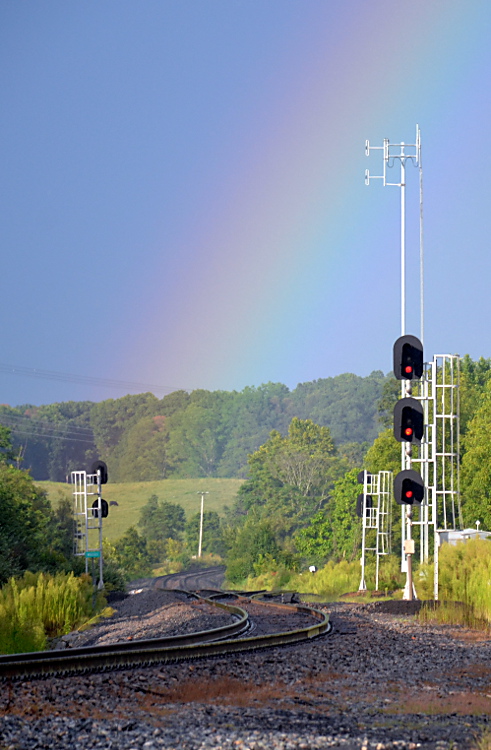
[132,496]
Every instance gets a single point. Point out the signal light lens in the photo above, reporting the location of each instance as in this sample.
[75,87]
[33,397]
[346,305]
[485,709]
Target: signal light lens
[409,494]
[408,431]
[408,369]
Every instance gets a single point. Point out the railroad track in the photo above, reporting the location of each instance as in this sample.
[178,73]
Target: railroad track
[266,620]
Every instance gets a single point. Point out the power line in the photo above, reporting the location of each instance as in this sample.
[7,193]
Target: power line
[36,428]
[65,377]
[52,437]
[73,428]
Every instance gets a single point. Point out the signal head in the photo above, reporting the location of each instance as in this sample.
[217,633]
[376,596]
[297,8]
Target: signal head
[408,421]
[408,487]
[408,358]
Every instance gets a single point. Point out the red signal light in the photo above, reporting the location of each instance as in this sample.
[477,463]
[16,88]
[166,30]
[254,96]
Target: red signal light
[408,369]
[409,494]
[408,431]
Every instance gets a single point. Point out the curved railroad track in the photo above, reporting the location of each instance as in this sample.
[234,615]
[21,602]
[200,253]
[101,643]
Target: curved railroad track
[269,624]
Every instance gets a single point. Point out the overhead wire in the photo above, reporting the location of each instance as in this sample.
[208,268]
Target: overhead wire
[21,425]
[58,431]
[65,377]
[52,437]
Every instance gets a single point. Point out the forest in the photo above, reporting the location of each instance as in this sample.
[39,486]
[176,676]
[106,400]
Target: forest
[197,434]
[299,452]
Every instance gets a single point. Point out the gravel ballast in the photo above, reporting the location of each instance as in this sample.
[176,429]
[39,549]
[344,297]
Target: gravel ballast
[381,680]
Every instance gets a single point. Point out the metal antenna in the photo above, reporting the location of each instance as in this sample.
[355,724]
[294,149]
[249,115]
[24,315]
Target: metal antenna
[401,152]
[421,243]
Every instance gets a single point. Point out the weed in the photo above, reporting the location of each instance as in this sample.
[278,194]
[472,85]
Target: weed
[484,741]
[39,606]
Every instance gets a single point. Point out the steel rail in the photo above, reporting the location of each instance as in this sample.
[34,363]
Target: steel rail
[215,642]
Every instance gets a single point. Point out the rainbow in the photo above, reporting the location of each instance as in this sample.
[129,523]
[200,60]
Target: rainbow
[288,265]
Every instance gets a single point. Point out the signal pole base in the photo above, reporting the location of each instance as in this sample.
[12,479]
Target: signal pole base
[405,595]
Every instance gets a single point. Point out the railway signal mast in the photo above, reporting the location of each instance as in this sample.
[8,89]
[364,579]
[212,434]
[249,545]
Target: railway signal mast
[408,351]
[88,517]
[427,418]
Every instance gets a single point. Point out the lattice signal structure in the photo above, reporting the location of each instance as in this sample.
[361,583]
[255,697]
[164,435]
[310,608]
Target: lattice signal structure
[87,538]
[376,515]
[439,456]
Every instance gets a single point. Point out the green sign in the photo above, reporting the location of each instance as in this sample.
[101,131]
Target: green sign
[93,553]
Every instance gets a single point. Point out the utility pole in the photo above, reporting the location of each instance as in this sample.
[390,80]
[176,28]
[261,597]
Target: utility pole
[202,493]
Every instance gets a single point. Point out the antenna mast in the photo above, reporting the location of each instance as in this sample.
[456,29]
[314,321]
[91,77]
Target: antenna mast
[392,152]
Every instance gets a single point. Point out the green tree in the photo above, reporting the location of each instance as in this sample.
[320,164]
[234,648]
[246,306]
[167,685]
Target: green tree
[195,440]
[385,454]
[347,404]
[252,541]
[391,393]
[300,469]
[62,529]
[25,515]
[290,482]
[315,541]
[6,452]
[212,533]
[141,456]
[336,530]
[130,554]
[474,378]
[161,520]
[476,465]
[110,419]
[51,440]
[248,418]
[346,526]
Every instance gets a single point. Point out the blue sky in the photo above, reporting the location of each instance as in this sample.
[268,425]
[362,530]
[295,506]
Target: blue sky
[182,197]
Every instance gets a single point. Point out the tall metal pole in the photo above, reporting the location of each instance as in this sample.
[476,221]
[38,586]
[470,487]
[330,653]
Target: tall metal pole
[391,153]
[403,242]
[99,506]
[421,240]
[201,521]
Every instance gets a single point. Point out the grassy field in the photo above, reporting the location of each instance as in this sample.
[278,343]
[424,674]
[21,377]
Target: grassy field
[132,496]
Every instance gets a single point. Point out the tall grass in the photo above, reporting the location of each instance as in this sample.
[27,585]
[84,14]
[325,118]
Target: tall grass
[464,573]
[331,581]
[39,606]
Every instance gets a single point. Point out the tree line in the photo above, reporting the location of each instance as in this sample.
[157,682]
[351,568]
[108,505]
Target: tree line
[298,504]
[296,507]
[197,434]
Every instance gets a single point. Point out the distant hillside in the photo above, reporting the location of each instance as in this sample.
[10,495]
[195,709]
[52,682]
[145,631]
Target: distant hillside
[132,496]
[185,435]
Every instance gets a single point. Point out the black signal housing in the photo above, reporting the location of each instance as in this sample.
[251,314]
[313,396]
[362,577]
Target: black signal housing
[102,467]
[408,358]
[359,504]
[408,487]
[408,421]
[104,508]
